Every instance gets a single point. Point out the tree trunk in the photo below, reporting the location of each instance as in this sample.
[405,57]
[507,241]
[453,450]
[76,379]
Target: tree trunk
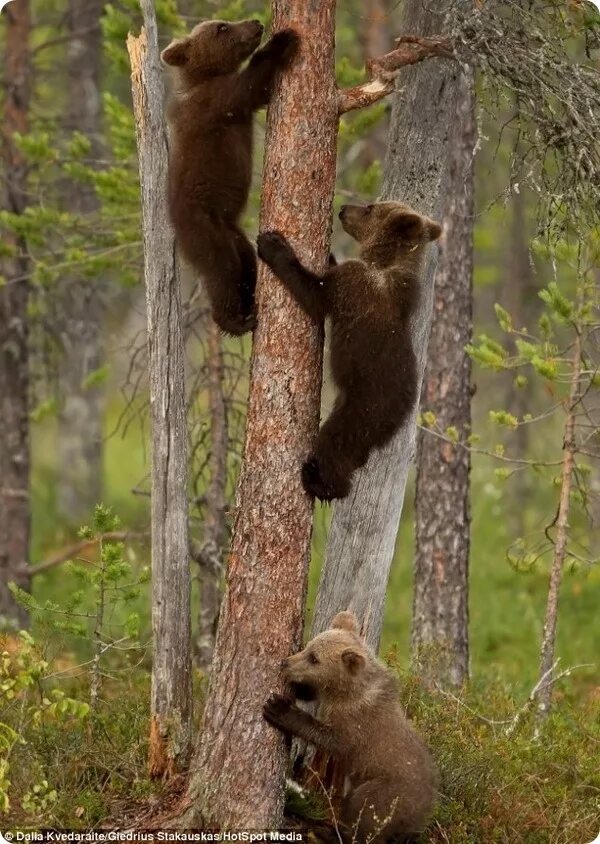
[80,302]
[546,678]
[15,512]
[210,555]
[240,764]
[364,526]
[441,578]
[520,291]
[171,696]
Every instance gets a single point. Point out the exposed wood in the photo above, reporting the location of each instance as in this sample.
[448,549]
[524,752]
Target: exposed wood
[171,695]
[15,515]
[383,70]
[364,526]
[238,771]
[440,634]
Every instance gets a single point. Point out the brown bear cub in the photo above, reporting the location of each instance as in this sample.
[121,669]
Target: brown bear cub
[210,162]
[370,302]
[391,776]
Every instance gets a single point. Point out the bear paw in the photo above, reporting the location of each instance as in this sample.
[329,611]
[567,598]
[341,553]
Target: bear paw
[321,487]
[272,246]
[285,44]
[277,708]
[238,325]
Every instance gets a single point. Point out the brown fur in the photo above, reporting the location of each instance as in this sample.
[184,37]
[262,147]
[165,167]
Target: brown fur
[210,163]
[370,302]
[392,778]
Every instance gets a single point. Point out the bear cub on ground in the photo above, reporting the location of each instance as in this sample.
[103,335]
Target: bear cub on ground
[370,302]
[210,161]
[360,723]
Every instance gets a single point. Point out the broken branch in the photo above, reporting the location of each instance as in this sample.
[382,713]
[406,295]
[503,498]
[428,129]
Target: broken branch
[383,70]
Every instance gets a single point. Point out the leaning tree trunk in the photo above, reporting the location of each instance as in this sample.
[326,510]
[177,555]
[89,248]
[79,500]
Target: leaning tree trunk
[364,526]
[238,771]
[440,633]
[80,301]
[15,513]
[171,696]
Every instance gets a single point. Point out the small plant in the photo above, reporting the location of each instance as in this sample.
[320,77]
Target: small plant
[29,703]
[100,612]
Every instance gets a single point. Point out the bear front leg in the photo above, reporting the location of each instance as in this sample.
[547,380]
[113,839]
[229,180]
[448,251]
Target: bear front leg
[306,287]
[256,82]
[281,712]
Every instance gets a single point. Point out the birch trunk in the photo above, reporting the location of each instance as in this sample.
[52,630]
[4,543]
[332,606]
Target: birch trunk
[364,526]
[15,513]
[171,695]
[440,622]
[238,771]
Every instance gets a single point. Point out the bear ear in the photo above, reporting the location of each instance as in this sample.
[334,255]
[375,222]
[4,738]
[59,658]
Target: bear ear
[434,229]
[176,54]
[406,225]
[353,660]
[345,621]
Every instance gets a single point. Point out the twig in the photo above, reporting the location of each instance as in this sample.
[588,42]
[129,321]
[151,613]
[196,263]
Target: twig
[76,549]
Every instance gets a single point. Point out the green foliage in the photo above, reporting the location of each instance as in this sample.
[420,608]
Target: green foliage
[497,785]
[101,609]
[28,703]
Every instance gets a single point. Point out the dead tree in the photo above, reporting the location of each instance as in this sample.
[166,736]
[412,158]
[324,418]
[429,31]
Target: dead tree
[171,696]
[440,632]
[363,531]
[81,307]
[15,505]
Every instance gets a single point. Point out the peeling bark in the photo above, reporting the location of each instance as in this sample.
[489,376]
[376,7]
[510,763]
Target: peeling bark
[238,770]
[364,526]
[15,514]
[171,694]
[440,634]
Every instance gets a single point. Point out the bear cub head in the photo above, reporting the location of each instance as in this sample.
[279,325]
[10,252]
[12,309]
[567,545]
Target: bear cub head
[385,230]
[335,664]
[213,48]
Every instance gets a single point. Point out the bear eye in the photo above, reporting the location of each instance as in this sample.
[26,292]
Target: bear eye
[222,27]
[313,659]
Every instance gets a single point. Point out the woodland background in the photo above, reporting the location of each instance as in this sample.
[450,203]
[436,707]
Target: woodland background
[75,689]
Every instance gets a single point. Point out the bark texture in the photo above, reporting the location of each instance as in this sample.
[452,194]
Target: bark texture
[209,555]
[440,622]
[14,334]
[81,307]
[238,771]
[171,696]
[364,526]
